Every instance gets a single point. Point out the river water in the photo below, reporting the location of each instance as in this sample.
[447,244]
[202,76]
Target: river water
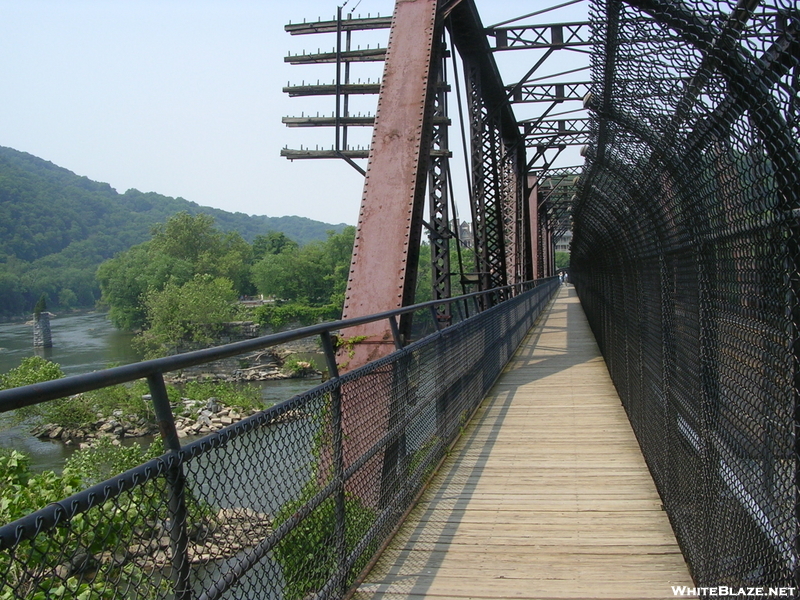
[83,343]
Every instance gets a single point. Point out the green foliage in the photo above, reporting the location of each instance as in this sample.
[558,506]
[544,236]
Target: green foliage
[243,397]
[278,317]
[126,279]
[308,554]
[195,240]
[84,409]
[297,367]
[126,398]
[274,242]
[67,298]
[33,369]
[562,259]
[71,413]
[314,275]
[424,289]
[41,305]
[57,227]
[181,249]
[105,460]
[192,312]
[23,492]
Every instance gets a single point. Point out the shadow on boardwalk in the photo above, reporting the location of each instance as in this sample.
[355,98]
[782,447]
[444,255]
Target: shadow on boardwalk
[546,495]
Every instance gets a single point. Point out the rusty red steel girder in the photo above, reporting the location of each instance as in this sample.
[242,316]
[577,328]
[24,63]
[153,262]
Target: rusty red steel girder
[408,142]
[386,252]
[383,269]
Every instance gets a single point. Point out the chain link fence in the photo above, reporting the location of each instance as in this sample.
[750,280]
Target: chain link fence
[290,503]
[685,257]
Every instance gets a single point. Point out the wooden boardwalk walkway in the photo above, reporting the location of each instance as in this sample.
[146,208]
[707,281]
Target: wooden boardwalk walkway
[545,496]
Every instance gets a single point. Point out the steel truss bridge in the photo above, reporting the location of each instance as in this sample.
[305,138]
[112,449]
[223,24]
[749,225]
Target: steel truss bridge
[684,211]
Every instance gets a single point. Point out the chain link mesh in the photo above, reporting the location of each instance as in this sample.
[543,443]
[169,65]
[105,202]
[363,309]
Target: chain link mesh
[290,503]
[685,258]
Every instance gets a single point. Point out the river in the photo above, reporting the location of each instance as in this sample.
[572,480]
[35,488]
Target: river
[83,343]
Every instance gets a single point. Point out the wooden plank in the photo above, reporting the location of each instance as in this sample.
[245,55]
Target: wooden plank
[546,495]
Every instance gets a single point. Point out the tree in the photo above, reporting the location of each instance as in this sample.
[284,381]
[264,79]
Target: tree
[314,275]
[181,248]
[191,312]
[41,306]
[67,298]
[187,237]
[274,242]
[562,259]
[127,278]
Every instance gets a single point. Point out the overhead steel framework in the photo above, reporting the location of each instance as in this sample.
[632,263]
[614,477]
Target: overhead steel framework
[685,218]
[514,223]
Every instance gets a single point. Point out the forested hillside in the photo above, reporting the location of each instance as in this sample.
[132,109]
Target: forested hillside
[57,227]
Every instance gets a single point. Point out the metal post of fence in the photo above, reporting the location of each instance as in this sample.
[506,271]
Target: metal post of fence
[398,341]
[178,534]
[338,460]
[435,317]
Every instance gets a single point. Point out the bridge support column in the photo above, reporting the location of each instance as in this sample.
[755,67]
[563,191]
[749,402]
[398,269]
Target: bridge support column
[383,271]
[440,232]
[533,233]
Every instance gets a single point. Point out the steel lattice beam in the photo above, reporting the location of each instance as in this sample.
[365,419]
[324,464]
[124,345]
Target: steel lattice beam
[527,37]
[497,151]
[549,92]
[487,209]
[550,127]
[438,191]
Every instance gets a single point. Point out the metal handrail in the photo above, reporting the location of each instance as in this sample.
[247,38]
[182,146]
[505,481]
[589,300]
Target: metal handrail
[36,393]
[170,465]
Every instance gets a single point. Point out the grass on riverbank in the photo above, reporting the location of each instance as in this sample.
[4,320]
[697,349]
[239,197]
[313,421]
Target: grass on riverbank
[131,402]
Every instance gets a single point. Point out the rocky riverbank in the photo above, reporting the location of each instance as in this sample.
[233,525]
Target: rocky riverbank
[193,418]
[287,361]
[216,537]
[198,417]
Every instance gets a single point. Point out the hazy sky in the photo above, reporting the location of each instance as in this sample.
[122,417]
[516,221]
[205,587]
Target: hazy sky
[184,97]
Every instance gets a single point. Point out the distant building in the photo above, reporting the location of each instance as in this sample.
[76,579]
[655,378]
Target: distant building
[464,231]
[564,242]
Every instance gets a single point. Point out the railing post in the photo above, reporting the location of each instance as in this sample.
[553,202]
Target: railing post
[178,534]
[338,460]
[435,317]
[398,341]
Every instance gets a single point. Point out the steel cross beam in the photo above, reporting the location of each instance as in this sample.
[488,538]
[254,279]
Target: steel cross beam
[332,26]
[526,37]
[550,127]
[557,140]
[549,92]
